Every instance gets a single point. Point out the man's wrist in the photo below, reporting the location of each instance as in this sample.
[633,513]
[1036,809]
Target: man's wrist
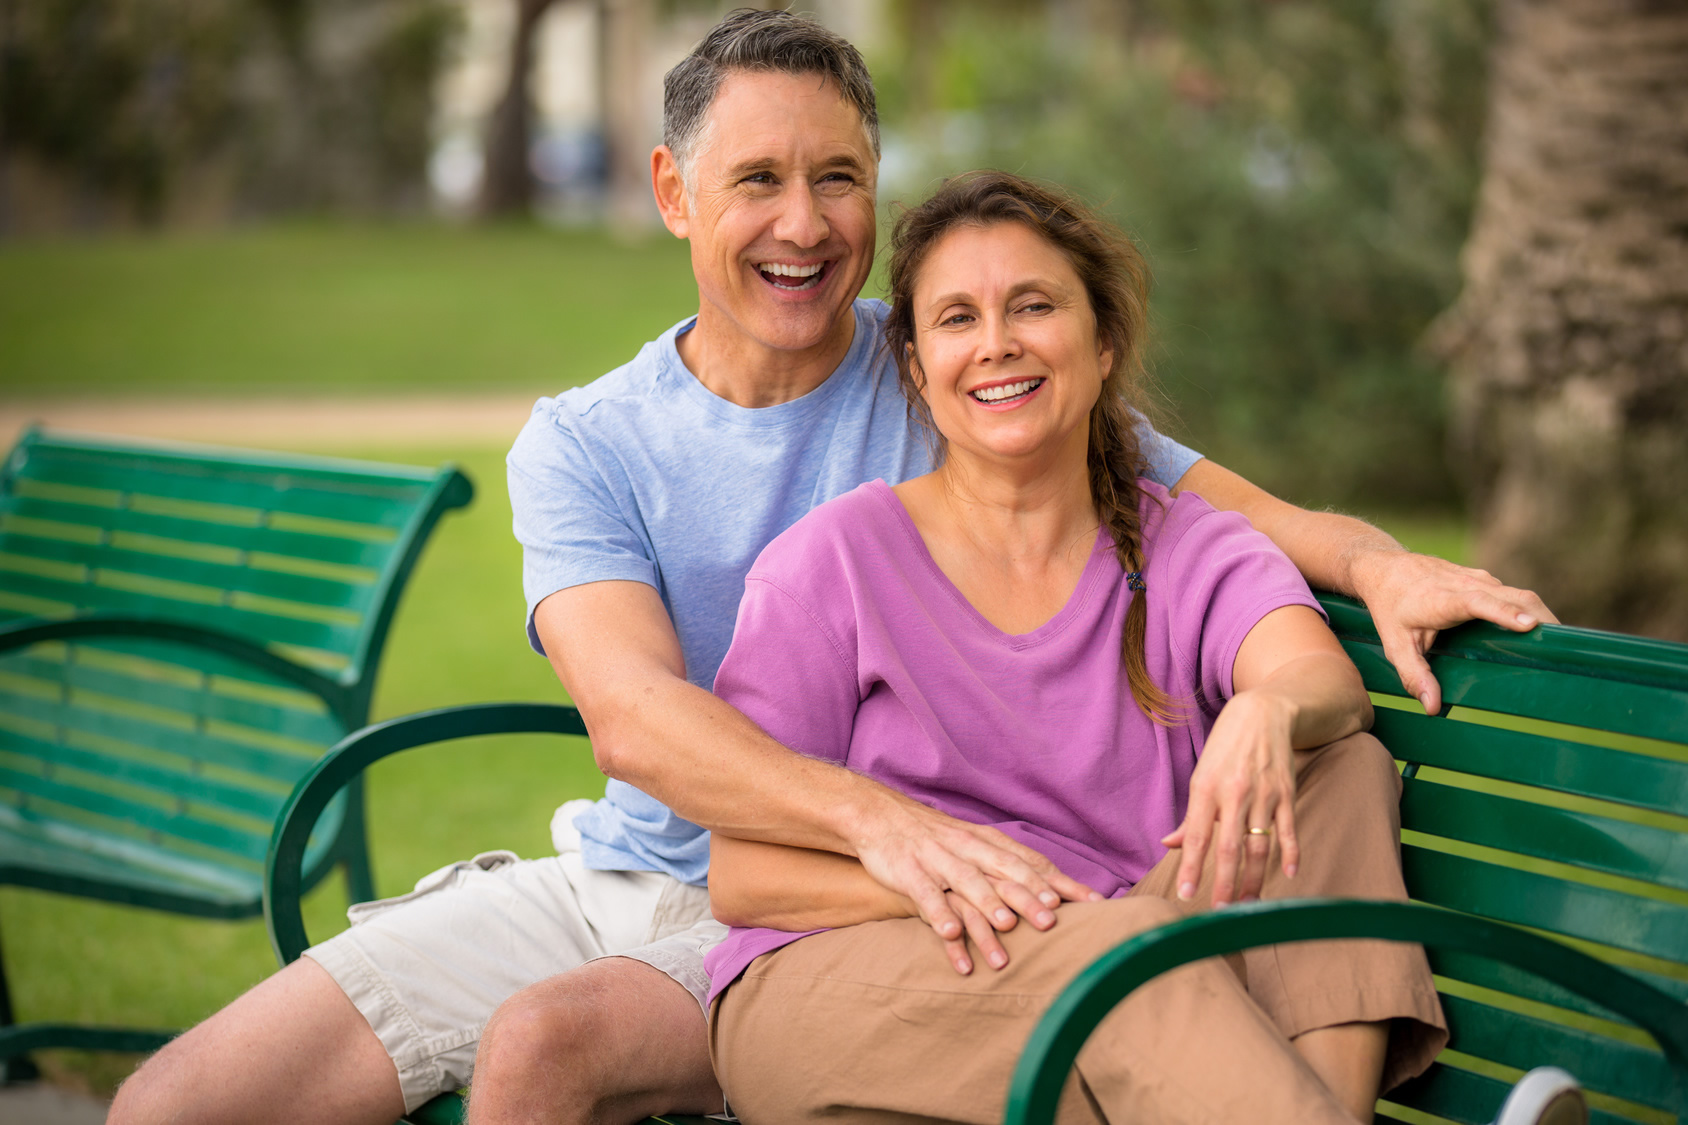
[1365,563]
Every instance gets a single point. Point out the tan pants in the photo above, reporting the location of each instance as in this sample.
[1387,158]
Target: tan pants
[870,1022]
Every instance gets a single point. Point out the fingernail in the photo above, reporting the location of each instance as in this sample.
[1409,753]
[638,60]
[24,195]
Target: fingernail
[1097,896]
[1050,898]
[1290,871]
[1045,919]
[1004,916]
[1526,620]
[1424,701]
[964,967]
[1186,891]
[998,960]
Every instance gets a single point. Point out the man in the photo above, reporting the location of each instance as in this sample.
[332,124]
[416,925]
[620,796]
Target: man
[641,501]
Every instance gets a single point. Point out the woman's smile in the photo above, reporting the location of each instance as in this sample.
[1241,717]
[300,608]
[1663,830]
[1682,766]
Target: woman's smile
[1006,396]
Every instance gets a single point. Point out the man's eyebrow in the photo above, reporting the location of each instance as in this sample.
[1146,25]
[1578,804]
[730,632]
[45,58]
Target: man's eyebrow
[771,164]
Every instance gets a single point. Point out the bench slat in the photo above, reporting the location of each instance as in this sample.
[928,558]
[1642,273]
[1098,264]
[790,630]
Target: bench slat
[1610,705]
[150,735]
[125,812]
[260,804]
[261,627]
[346,500]
[302,588]
[1603,1064]
[334,549]
[1541,902]
[1494,975]
[1597,843]
[314,725]
[1529,759]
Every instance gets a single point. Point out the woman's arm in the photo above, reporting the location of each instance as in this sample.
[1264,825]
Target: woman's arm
[797,889]
[1294,690]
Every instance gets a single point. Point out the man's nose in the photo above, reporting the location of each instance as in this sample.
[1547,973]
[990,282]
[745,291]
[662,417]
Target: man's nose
[801,221]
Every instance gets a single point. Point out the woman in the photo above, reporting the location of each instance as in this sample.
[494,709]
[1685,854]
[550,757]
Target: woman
[1033,638]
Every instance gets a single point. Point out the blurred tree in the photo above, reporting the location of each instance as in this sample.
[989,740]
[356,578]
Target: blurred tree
[507,173]
[116,111]
[1570,340]
[1300,174]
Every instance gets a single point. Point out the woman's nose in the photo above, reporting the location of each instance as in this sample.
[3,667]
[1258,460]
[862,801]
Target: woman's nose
[801,221]
[997,341]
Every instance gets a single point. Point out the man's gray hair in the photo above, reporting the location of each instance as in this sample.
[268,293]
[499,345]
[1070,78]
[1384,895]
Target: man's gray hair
[750,39]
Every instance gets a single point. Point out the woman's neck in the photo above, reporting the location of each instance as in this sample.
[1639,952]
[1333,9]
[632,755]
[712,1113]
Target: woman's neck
[1014,540]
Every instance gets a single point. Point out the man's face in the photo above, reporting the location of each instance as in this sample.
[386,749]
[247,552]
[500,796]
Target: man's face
[779,213]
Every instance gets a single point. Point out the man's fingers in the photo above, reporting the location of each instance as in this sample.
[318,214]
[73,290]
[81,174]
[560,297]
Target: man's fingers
[1401,649]
[1025,905]
[1510,608]
[983,935]
[956,951]
[934,908]
[1003,858]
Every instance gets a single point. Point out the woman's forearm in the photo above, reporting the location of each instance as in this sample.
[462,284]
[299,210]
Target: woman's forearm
[784,888]
[1313,700]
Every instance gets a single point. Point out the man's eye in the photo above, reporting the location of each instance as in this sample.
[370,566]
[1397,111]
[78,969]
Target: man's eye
[758,178]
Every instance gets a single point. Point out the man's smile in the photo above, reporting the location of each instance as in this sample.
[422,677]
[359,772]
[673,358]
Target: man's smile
[794,278]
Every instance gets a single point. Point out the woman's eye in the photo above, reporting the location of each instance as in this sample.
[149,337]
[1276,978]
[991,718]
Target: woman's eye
[956,318]
[1036,307]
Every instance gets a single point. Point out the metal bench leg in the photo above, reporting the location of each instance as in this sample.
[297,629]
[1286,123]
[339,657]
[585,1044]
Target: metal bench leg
[18,1068]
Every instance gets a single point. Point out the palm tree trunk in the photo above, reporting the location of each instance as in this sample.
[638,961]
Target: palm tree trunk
[1569,344]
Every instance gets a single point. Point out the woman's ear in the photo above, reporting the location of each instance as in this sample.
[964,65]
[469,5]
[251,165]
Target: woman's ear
[914,371]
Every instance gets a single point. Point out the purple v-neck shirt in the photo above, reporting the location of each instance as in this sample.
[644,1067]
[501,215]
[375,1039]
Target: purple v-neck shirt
[854,647]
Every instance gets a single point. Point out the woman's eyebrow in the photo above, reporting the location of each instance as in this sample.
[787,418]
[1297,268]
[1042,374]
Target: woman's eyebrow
[963,298]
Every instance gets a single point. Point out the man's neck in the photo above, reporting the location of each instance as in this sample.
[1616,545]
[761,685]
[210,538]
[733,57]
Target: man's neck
[751,374]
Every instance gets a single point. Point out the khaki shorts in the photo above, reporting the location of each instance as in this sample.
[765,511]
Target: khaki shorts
[428,969]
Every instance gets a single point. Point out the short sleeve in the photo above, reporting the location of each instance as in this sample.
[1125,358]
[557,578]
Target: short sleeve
[790,673]
[1228,576]
[1166,461]
[566,516]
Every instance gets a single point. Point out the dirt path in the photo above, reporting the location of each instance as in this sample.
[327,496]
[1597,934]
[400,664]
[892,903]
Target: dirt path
[324,424]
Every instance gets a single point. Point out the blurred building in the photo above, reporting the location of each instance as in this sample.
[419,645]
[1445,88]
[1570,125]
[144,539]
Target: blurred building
[596,93]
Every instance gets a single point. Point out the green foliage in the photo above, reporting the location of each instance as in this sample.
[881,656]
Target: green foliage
[332,309]
[1300,174]
[136,107]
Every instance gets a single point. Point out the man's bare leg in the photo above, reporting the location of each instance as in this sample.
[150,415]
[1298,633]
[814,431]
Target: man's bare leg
[1348,1058]
[609,1043]
[293,1047]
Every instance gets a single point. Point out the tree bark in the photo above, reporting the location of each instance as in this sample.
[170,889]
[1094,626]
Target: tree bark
[1569,344]
[506,173]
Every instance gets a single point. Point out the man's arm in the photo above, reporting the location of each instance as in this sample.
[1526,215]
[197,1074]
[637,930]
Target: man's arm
[1411,597]
[615,650]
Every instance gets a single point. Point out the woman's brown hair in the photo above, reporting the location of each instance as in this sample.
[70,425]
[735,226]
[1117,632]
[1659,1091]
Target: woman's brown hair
[1116,278]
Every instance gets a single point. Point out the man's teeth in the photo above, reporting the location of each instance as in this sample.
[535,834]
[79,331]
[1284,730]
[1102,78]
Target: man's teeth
[779,270]
[1007,390]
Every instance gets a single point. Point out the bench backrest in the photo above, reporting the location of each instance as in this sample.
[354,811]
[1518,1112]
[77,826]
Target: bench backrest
[1551,793]
[152,751]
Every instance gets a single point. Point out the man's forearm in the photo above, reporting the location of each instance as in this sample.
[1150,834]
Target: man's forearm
[1330,550]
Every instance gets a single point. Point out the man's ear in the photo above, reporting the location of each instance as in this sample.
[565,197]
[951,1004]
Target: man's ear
[670,190]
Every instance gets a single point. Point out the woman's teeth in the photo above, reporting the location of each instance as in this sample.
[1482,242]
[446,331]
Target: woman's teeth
[801,277]
[1007,390]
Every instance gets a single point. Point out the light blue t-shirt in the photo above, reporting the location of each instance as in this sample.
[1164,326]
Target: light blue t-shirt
[646,475]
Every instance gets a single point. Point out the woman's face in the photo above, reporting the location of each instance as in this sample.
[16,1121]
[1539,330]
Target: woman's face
[1005,345]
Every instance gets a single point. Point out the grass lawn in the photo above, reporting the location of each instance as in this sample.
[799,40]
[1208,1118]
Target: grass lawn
[329,308]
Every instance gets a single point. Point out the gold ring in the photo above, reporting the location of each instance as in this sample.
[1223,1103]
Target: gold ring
[1259,831]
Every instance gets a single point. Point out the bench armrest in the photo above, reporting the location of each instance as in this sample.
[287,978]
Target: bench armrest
[347,760]
[1055,1042]
[105,626]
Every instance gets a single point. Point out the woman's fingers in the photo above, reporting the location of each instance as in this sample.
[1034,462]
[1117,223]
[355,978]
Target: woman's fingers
[1193,836]
[1289,848]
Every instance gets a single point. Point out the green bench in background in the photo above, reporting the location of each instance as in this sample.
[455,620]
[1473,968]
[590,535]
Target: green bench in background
[1550,797]
[183,632]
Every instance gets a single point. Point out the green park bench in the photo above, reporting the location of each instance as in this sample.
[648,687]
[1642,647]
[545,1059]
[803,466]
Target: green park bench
[1550,798]
[183,632]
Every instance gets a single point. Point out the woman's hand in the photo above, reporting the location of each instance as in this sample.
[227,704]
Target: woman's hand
[1245,780]
[1295,689]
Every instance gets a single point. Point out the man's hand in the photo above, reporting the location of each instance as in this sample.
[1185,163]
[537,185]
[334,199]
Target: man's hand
[965,880]
[1413,597]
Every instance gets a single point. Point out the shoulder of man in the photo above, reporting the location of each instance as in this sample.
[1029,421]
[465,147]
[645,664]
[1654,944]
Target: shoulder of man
[828,544]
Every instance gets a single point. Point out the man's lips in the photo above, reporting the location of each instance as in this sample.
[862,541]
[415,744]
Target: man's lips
[791,277]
